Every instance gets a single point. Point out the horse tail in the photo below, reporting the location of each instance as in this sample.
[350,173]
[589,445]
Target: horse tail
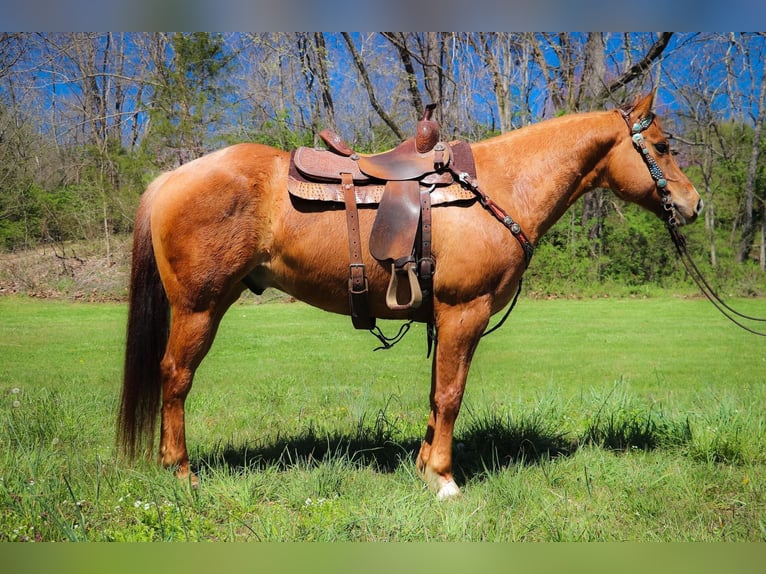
[147,336]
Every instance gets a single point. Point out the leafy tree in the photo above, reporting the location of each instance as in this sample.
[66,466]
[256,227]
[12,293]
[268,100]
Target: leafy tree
[191,96]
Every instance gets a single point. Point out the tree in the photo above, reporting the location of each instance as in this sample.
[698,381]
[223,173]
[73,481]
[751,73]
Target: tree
[189,97]
[720,91]
[758,94]
[12,48]
[314,58]
[86,119]
[505,56]
[583,72]
[374,102]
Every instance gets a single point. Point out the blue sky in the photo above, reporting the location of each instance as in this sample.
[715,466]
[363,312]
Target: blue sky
[334,15]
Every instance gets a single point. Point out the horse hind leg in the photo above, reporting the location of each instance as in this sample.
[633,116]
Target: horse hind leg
[191,336]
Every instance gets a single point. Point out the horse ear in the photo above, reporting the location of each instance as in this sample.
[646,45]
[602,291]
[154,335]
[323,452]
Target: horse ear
[640,107]
[643,104]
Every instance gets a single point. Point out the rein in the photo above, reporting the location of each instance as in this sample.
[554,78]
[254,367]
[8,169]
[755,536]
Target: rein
[502,216]
[691,268]
[672,223]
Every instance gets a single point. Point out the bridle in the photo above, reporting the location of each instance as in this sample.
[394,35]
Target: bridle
[654,169]
[672,222]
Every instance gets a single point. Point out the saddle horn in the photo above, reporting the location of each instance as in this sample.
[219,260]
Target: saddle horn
[427,134]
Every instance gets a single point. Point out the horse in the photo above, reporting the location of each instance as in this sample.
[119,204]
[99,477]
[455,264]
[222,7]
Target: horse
[205,229]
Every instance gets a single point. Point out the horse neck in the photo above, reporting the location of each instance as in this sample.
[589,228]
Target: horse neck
[537,172]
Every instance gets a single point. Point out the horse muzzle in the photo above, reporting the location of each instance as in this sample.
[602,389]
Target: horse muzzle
[686,214]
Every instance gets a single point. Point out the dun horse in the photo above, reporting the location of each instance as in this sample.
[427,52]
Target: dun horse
[208,227]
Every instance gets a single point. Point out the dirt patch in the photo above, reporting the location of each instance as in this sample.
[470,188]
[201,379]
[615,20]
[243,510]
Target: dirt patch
[79,271]
[83,272]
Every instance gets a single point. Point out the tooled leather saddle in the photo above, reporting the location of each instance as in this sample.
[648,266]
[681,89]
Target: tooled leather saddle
[403,183]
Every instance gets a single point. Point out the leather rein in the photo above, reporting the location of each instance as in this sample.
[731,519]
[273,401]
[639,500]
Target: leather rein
[508,222]
[502,216]
[672,223]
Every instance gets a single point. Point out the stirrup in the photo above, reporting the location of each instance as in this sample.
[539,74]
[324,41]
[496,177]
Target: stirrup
[416,295]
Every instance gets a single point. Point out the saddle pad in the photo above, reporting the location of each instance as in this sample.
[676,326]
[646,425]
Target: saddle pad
[369,194]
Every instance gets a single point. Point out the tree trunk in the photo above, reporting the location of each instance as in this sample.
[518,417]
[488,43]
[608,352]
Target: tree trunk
[762,257]
[399,41]
[433,70]
[362,69]
[496,52]
[748,229]
[636,71]
[594,211]
[324,79]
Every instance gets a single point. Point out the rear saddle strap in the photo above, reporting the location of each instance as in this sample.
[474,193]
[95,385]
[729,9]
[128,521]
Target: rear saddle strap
[357,280]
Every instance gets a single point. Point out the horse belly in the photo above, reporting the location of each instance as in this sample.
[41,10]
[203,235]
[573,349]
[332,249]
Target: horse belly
[310,261]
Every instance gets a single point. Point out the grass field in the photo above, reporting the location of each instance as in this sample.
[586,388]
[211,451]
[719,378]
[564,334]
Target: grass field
[629,419]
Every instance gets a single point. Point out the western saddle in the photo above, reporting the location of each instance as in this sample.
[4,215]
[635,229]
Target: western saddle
[404,183]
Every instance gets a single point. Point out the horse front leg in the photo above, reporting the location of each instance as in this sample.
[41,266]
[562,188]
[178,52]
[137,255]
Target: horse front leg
[459,331]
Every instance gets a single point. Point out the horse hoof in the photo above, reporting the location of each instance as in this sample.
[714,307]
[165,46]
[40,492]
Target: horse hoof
[188,477]
[448,491]
[445,488]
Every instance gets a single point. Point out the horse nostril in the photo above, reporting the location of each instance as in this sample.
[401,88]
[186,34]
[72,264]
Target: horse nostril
[700,206]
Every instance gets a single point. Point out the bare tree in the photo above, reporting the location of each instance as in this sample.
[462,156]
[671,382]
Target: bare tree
[639,70]
[369,87]
[577,78]
[758,93]
[498,51]
[12,48]
[399,41]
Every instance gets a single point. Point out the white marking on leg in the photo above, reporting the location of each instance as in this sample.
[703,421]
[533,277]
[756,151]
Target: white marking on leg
[448,490]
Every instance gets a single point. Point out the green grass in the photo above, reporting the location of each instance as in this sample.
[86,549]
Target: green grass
[598,419]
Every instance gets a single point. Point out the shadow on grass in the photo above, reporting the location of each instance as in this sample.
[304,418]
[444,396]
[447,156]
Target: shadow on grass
[487,445]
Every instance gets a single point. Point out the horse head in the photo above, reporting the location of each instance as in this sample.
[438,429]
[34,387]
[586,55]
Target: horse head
[643,170]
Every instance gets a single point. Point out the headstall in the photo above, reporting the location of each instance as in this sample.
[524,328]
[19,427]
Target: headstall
[639,142]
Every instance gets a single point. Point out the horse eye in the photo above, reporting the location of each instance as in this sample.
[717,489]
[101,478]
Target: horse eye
[662,147]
